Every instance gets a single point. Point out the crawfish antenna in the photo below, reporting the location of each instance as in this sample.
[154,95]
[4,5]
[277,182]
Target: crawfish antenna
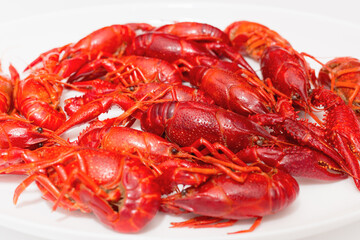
[55,138]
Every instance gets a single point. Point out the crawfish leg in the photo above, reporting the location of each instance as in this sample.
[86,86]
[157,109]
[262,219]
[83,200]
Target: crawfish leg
[252,228]
[214,149]
[93,109]
[205,222]
[213,222]
[49,190]
[226,163]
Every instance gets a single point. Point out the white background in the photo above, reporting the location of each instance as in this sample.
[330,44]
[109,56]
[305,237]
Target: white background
[341,9]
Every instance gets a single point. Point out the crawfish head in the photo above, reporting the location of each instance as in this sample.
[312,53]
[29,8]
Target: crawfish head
[296,160]
[288,73]
[16,133]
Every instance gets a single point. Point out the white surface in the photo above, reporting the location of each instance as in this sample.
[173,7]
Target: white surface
[325,30]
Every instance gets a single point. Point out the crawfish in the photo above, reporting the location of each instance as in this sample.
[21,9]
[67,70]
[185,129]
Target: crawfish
[175,49]
[289,74]
[251,38]
[241,92]
[342,130]
[6,89]
[67,60]
[37,98]
[117,188]
[165,159]
[185,122]
[342,75]
[129,71]
[211,37]
[221,197]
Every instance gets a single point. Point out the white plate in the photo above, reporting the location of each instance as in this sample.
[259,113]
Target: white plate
[319,207]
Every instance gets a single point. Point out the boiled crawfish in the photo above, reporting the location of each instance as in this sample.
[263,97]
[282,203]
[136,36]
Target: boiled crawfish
[342,130]
[259,194]
[232,166]
[177,49]
[7,88]
[37,98]
[68,59]
[129,71]
[117,188]
[342,76]
[241,92]
[288,72]
[163,158]
[251,38]
[184,123]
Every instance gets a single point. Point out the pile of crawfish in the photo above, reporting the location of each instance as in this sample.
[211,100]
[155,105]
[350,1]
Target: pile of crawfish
[217,140]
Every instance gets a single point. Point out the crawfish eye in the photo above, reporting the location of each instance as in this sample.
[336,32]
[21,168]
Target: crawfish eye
[174,151]
[131,88]
[40,129]
[260,141]
[295,96]
[40,145]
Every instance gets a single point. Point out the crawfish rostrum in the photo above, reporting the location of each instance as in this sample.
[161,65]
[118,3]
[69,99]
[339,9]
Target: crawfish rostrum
[216,140]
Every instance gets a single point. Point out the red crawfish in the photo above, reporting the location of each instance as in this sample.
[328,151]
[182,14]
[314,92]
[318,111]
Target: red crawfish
[167,161]
[91,106]
[17,132]
[298,161]
[342,75]
[342,130]
[258,194]
[211,37]
[289,74]
[37,98]
[171,164]
[185,122]
[6,89]
[67,60]
[117,188]
[251,38]
[129,70]
[175,49]
[241,92]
